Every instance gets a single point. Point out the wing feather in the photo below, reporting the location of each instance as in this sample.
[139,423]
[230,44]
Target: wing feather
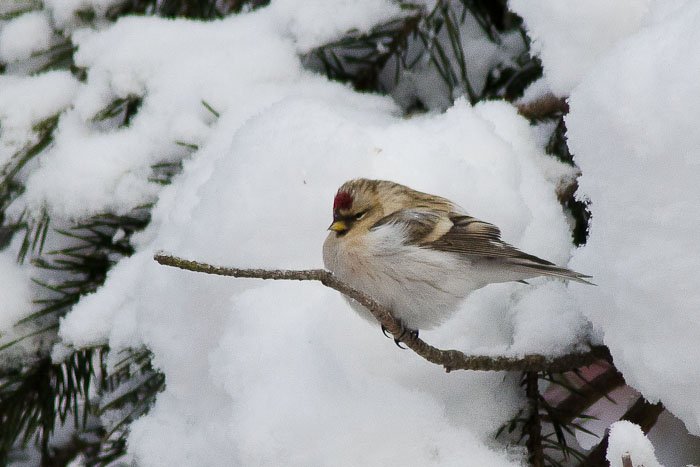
[471,238]
[416,224]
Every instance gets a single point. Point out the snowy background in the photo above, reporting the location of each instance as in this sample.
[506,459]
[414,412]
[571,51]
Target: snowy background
[262,373]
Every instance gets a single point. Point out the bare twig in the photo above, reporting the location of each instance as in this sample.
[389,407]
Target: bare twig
[449,359]
[626,460]
[546,106]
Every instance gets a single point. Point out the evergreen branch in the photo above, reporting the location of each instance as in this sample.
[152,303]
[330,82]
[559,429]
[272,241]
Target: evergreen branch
[450,359]
[59,56]
[55,392]
[123,107]
[481,17]
[454,35]
[586,395]
[35,232]
[34,398]
[211,109]
[51,327]
[193,147]
[44,130]
[442,63]
[533,424]
[8,13]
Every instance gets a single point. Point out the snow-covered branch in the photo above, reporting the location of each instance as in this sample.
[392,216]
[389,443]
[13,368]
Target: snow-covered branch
[449,359]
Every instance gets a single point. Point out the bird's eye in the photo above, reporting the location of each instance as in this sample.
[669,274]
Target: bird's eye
[360,215]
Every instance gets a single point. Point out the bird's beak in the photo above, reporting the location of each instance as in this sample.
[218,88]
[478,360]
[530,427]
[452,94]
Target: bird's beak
[338,226]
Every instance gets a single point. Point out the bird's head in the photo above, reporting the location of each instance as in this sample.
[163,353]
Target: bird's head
[355,207]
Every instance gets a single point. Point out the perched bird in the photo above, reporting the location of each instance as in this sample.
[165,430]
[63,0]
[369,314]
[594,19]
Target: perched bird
[418,254]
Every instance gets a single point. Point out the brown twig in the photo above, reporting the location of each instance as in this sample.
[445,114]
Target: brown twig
[546,106]
[450,359]
[627,460]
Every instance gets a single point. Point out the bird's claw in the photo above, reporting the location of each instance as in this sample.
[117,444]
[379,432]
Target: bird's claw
[385,332]
[404,330]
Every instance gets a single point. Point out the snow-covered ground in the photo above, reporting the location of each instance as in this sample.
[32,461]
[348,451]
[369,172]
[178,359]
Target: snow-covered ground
[285,373]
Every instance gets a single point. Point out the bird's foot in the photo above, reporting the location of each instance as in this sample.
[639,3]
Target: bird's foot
[384,331]
[404,331]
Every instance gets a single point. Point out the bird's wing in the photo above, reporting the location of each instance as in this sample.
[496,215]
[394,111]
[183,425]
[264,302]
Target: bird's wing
[470,238]
[456,233]
[419,226]
[479,240]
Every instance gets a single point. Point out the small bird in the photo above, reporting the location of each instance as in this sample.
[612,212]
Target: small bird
[417,254]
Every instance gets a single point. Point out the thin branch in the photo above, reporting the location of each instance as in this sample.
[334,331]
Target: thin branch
[450,359]
[546,106]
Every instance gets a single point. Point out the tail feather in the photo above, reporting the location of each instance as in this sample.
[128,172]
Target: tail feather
[541,269]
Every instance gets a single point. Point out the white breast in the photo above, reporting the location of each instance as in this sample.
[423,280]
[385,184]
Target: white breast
[422,287]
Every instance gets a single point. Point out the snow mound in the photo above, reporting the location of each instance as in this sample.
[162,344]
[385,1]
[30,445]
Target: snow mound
[637,149]
[626,438]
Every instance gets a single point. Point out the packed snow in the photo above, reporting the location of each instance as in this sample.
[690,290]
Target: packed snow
[637,149]
[630,72]
[30,32]
[626,438]
[65,13]
[26,101]
[268,373]
[570,36]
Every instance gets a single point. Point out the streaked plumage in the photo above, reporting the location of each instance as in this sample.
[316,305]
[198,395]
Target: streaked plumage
[418,254]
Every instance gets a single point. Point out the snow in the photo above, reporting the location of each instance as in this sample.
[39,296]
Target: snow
[628,438]
[636,148]
[571,36]
[26,101]
[65,12]
[118,179]
[24,35]
[630,68]
[314,22]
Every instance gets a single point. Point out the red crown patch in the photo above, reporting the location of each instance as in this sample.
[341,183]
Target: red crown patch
[342,200]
